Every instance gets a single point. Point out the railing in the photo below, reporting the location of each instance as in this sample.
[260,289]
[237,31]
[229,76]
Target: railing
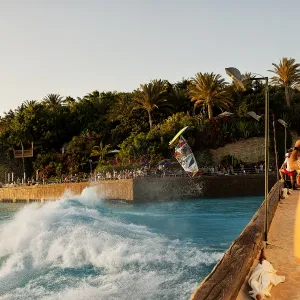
[151,174]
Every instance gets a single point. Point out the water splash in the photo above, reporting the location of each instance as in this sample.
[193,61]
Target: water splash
[80,248]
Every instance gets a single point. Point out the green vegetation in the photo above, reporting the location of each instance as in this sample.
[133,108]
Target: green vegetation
[68,133]
[209,90]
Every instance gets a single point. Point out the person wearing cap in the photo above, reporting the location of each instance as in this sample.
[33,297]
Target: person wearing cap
[286,169]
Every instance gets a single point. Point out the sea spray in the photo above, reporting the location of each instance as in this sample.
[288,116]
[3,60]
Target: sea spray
[85,248]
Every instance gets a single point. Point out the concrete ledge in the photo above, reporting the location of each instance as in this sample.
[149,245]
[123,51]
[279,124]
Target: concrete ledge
[168,188]
[109,189]
[227,277]
[146,189]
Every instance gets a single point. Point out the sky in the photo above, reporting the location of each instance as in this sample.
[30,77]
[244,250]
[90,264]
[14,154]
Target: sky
[73,47]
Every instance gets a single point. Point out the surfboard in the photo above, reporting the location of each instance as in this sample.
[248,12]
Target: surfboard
[178,135]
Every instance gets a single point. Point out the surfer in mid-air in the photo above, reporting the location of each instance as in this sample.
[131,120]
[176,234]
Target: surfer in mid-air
[184,155]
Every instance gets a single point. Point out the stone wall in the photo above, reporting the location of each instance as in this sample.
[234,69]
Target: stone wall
[249,151]
[109,189]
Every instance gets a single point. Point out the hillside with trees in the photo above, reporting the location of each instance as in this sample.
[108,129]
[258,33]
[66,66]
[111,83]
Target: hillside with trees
[74,135]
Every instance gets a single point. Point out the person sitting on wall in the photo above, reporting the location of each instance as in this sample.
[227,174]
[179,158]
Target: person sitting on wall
[286,169]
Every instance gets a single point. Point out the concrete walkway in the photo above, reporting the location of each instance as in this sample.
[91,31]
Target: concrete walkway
[280,252]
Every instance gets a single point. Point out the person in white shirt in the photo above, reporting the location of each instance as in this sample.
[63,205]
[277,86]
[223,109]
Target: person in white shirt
[286,169]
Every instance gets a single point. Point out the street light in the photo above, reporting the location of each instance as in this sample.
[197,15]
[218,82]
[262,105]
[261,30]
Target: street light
[225,114]
[257,118]
[236,75]
[254,115]
[285,124]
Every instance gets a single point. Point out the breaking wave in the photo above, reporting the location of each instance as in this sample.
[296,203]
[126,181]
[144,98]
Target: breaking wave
[84,248]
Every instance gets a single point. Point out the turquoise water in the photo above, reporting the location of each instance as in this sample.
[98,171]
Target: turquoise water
[85,248]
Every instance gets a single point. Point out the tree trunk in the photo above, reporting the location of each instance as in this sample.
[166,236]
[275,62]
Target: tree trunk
[150,119]
[210,111]
[287,96]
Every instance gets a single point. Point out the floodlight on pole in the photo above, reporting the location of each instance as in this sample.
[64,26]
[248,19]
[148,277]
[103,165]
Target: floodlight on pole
[257,118]
[285,124]
[282,122]
[254,115]
[225,114]
[235,74]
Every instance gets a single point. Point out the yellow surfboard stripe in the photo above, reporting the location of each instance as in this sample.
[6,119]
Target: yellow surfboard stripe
[178,135]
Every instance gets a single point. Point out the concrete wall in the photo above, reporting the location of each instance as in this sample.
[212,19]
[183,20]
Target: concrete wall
[204,186]
[234,186]
[147,189]
[248,151]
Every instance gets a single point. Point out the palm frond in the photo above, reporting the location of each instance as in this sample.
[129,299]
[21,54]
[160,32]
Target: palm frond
[208,90]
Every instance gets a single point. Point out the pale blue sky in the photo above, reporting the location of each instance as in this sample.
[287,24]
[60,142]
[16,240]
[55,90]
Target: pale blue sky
[74,47]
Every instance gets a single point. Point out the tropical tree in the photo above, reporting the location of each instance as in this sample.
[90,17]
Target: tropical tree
[93,97]
[53,101]
[179,99]
[151,96]
[121,108]
[100,150]
[69,100]
[208,90]
[30,103]
[287,75]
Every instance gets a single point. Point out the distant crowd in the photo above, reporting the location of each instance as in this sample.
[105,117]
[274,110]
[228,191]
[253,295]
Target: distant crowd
[146,171]
[172,172]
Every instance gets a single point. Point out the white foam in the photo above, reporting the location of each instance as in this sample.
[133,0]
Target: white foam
[41,243]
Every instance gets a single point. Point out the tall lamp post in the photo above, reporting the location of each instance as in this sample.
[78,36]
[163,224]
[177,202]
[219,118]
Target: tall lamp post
[257,118]
[237,77]
[285,124]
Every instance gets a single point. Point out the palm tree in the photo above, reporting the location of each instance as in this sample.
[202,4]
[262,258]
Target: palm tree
[69,101]
[287,74]
[93,97]
[151,96]
[100,151]
[178,97]
[53,101]
[208,90]
[121,108]
[30,103]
